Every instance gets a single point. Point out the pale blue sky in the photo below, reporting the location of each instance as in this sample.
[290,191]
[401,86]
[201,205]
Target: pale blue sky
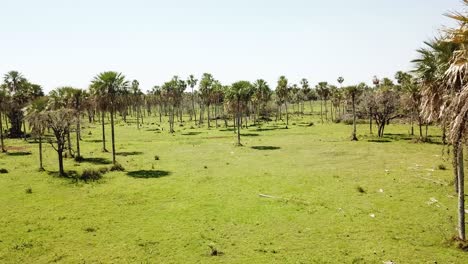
[63,42]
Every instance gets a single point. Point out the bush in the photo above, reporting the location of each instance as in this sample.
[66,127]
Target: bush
[103,170]
[91,175]
[442,167]
[117,167]
[156,157]
[3,171]
[28,190]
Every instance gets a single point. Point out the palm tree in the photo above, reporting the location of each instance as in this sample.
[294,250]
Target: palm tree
[192,82]
[20,92]
[35,114]
[323,92]
[282,92]
[239,94]
[110,84]
[262,94]
[136,93]
[206,89]
[443,69]
[3,104]
[353,92]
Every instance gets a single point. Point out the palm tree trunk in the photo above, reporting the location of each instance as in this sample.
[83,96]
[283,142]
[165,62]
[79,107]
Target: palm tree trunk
[1,135]
[113,135]
[461,194]
[208,113]
[370,121]
[69,145]
[41,168]
[354,119]
[78,136]
[287,113]
[238,123]
[321,110]
[103,132]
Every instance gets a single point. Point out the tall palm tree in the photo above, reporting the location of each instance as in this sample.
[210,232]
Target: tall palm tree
[136,94]
[206,89]
[353,92]
[3,106]
[20,92]
[239,94]
[282,92]
[192,82]
[110,84]
[35,114]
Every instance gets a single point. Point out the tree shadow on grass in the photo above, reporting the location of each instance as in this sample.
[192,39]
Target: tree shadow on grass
[192,133]
[249,134]
[147,174]
[102,161]
[93,140]
[19,153]
[265,147]
[71,174]
[383,140]
[128,153]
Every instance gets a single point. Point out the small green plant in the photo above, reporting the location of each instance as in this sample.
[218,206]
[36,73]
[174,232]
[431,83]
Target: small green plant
[28,190]
[117,167]
[91,175]
[156,157]
[360,189]
[442,167]
[3,171]
[90,229]
[214,251]
[103,170]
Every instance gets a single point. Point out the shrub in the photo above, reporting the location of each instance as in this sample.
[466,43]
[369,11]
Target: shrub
[442,167]
[91,175]
[156,157]
[103,170]
[28,190]
[117,167]
[3,171]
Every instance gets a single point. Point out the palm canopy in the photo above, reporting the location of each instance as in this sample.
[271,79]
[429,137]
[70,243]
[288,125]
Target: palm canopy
[240,91]
[109,83]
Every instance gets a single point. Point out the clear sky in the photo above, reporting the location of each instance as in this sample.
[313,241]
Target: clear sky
[65,43]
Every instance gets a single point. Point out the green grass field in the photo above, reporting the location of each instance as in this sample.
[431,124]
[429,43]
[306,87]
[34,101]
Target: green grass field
[329,200]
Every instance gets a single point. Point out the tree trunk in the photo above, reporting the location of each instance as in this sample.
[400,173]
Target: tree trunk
[60,160]
[1,135]
[238,123]
[208,113]
[354,119]
[461,194]
[321,110]
[287,114]
[41,168]
[113,135]
[103,132]
[69,145]
[78,136]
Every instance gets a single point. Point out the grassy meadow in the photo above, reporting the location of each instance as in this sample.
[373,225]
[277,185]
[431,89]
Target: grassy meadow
[306,194]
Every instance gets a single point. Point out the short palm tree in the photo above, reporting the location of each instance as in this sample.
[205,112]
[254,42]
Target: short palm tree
[239,94]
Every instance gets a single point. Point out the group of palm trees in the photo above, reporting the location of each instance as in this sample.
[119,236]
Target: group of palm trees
[435,92]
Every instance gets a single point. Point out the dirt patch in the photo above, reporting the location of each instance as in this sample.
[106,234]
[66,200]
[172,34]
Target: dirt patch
[16,148]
